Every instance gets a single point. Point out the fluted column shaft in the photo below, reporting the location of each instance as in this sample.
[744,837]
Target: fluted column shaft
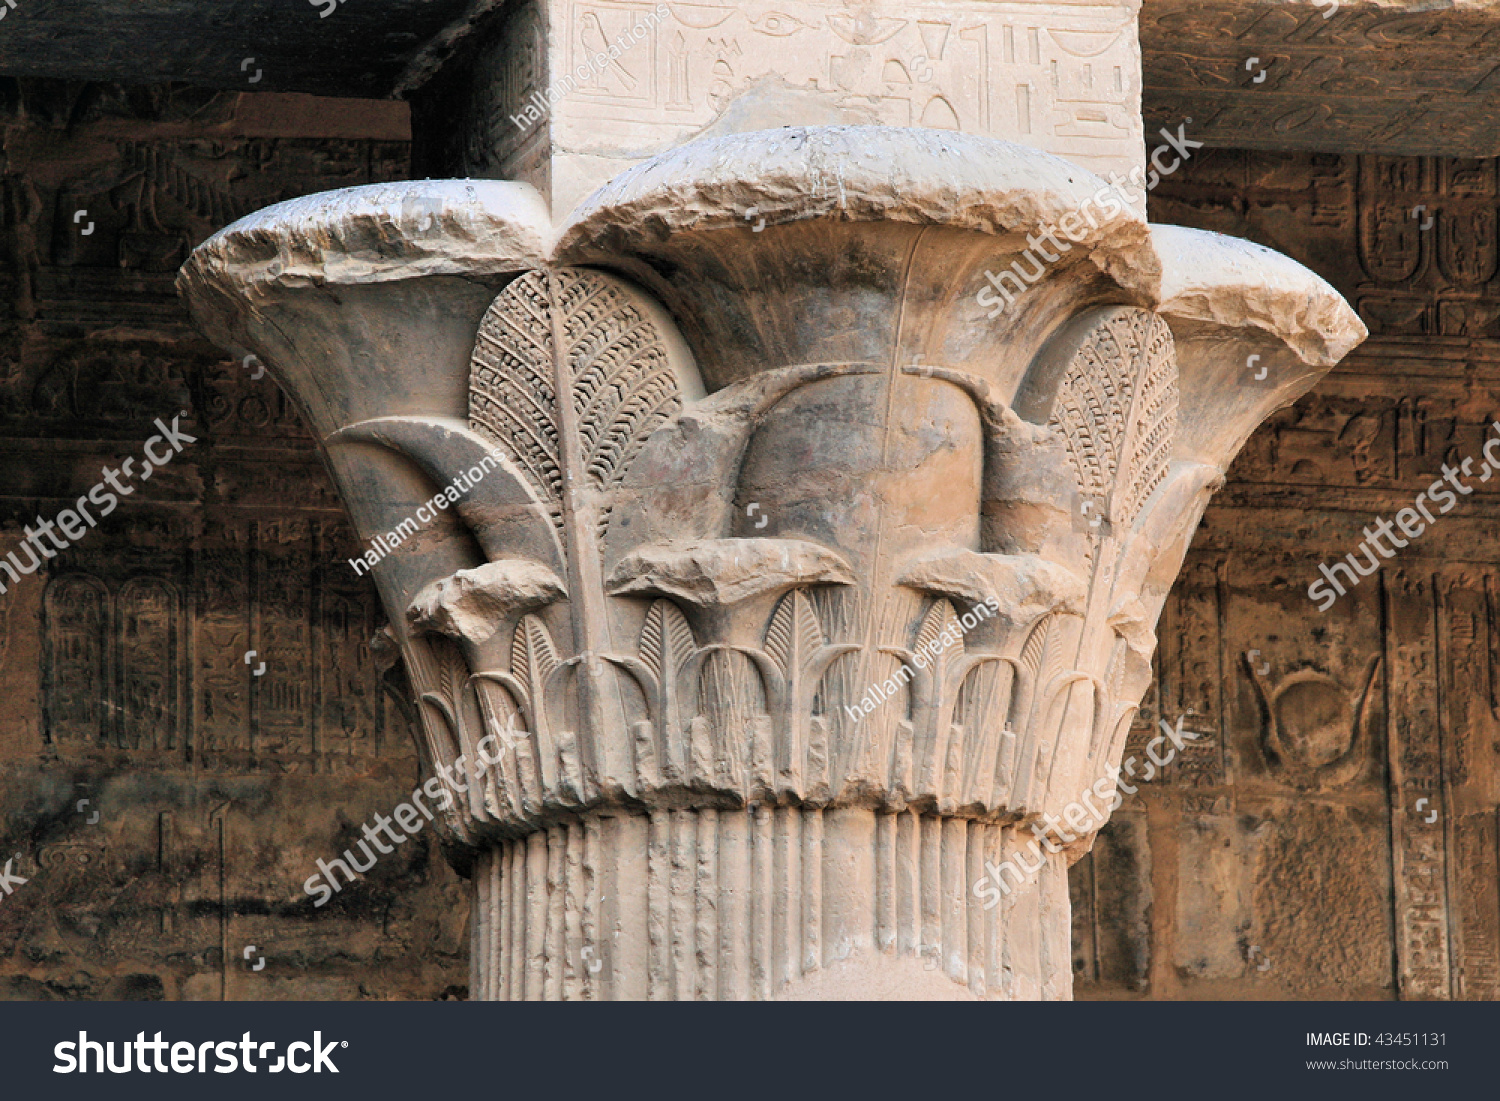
[683,905]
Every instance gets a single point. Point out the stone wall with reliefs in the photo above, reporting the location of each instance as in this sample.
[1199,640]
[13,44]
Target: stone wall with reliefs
[1285,854]
[1339,75]
[1333,833]
[164,802]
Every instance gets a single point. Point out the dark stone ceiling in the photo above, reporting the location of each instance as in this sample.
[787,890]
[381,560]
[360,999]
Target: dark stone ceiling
[326,47]
[1413,77]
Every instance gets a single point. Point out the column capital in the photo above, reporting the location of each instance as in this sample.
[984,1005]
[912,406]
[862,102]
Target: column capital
[841,536]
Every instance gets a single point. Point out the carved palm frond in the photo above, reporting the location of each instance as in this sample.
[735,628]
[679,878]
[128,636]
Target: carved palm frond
[794,632]
[533,661]
[512,390]
[796,656]
[507,715]
[666,640]
[577,335]
[1040,659]
[934,692]
[1117,410]
[666,646]
[1153,419]
[442,684]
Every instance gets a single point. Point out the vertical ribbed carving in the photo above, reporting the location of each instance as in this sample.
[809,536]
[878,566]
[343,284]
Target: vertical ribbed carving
[735,905]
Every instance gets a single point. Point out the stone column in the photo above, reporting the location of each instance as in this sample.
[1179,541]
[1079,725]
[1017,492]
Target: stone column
[792,582]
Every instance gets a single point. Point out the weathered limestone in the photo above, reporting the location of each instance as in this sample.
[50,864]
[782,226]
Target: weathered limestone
[830,578]
[566,94]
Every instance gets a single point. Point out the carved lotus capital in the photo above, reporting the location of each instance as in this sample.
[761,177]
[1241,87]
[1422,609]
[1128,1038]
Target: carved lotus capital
[749,475]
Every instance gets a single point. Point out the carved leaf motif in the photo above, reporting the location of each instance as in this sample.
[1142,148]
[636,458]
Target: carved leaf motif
[1036,643]
[1032,656]
[939,618]
[453,674]
[613,367]
[666,640]
[1153,420]
[1090,410]
[511,394]
[1117,409]
[624,388]
[794,633]
[440,676]
[532,656]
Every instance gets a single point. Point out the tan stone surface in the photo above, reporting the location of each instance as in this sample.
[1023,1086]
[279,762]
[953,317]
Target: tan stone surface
[1308,875]
[1064,78]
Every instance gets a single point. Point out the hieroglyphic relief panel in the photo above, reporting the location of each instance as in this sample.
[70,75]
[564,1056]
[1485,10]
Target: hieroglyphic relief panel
[122,679]
[151,647]
[1419,803]
[1467,636]
[1429,226]
[348,724]
[1383,707]
[221,686]
[149,658]
[149,202]
[1347,77]
[281,638]
[77,621]
[1188,687]
[1412,242]
[1063,78]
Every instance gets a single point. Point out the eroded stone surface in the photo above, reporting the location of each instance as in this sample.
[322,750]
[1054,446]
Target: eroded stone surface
[724,572]
[1354,811]
[471,604]
[212,791]
[1373,433]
